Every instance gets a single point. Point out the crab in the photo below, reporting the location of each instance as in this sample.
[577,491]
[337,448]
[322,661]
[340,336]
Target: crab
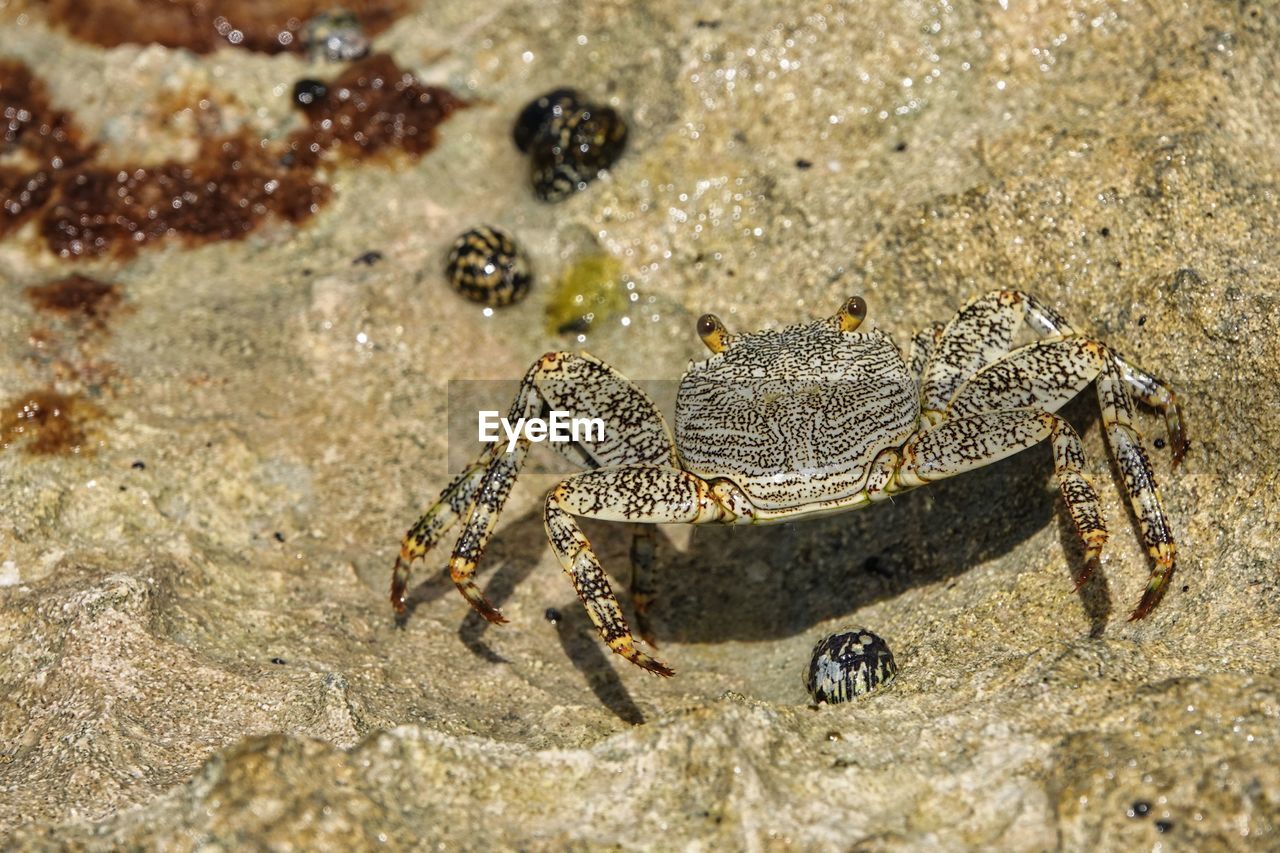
[809,420]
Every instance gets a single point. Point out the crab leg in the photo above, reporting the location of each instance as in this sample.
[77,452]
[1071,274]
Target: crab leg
[1158,396]
[492,495]
[1139,483]
[980,333]
[644,544]
[634,433]
[970,442]
[438,518]
[1045,375]
[649,494]
[922,344]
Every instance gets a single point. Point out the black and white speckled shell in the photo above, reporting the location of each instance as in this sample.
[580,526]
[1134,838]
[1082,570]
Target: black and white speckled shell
[570,142]
[849,663]
[581,146]
[487,266]
[796,416]
[541,118]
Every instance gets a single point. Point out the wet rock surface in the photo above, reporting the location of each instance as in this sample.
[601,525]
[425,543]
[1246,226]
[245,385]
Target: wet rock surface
[196,640]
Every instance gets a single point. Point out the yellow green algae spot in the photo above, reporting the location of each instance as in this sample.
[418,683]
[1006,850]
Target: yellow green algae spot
[588,291]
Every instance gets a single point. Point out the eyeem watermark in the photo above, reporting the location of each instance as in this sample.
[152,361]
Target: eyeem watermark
[559,427]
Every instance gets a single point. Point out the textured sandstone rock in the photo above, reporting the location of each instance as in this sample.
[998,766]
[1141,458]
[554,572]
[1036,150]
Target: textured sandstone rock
[176,673]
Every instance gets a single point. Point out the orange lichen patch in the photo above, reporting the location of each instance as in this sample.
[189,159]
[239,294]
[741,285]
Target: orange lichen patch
[48,423]
[224,195]
[204,25]
[373,107]
[77,298]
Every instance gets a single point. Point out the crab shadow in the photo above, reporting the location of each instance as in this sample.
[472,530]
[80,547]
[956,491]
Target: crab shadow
[516,557]
[757,583]
[761,583]
[750,584]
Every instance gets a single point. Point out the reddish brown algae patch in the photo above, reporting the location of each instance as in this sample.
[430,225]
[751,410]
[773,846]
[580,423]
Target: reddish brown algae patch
[39,142]
[77,298]
[223,195]
[373,107]
[48,423]
[270,26]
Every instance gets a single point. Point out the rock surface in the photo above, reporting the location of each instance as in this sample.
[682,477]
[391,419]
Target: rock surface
[198,649]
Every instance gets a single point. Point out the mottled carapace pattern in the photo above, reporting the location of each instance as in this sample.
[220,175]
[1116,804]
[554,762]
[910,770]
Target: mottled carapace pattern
[810,420]
[768,433]
[86,207]
[202,26]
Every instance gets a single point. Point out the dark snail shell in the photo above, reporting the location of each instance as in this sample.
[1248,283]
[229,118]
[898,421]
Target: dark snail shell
[587,143]
[487,266]
[570,142]
[849,663]
[539,115]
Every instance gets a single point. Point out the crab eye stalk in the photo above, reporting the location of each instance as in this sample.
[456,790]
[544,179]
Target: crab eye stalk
[713,333]
[852,313]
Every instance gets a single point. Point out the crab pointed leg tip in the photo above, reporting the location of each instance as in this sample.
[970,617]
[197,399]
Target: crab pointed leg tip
[659,668]
[1150,599]
[490,613]
[1084,575]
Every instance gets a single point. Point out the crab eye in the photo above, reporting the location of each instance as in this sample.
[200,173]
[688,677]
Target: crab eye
[713,333]
[852,313]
